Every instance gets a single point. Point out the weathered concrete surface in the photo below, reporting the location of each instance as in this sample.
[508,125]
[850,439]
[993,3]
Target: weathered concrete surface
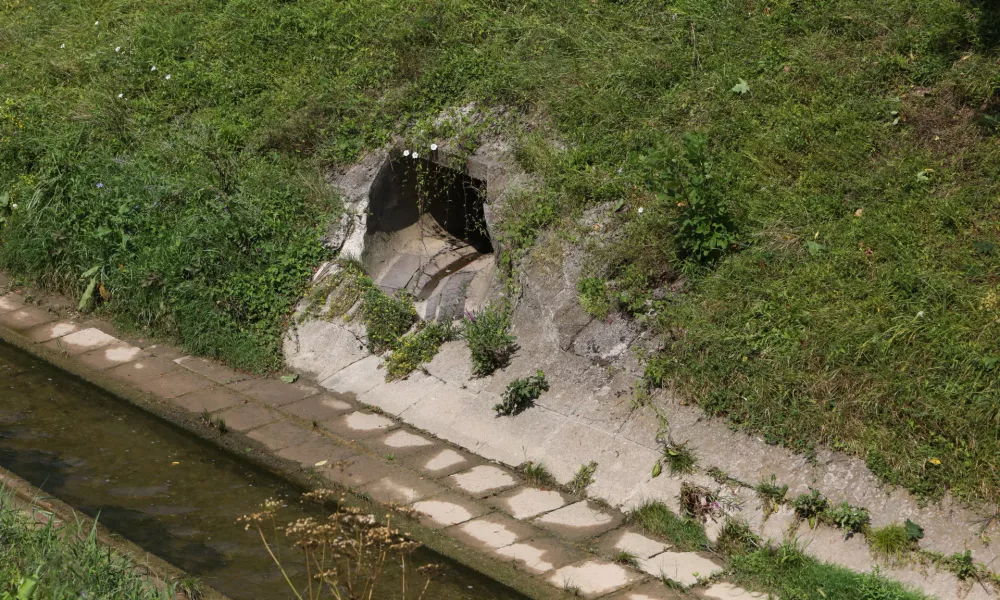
[580,521]
[445,510]
[210,400]
[686,568]
[214,371]
[593,578]
[244,418]
[482,481]
[25,318]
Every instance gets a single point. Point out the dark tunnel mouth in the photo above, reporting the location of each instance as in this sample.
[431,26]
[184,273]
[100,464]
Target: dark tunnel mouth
[408,187]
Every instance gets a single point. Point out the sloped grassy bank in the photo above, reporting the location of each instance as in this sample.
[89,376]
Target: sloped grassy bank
[839,263]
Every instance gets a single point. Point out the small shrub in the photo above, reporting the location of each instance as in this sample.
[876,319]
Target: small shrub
[593,295]
[537,474]
[624,557]
[490,342]
[890,541]
[810,506]
[417,348]
[737,538]
[678,457]
[521,394]
[387,318]
[699,502]
[852,519]
[583,478]
[657,518]
[962,565]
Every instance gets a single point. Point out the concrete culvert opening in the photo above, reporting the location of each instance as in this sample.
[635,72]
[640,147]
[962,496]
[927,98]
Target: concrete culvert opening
[426,233]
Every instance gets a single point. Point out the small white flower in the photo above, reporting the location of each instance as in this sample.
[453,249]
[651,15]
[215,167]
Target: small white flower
[920,315]
[14,206]
[415,155]
[96,23]
[154,68]
[434,147]
[406,152]
[167,77]
[641,209]
[118,48]
[121,95]
[62,46]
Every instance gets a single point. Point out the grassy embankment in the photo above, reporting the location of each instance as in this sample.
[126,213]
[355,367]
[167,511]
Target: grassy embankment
[852,145]
[39,562]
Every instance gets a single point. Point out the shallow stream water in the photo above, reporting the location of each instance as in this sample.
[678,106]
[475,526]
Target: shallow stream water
[171,493]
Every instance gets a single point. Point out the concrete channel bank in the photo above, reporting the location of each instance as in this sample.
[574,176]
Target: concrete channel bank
[542,542]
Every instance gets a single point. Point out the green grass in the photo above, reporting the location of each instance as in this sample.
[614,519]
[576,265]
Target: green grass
[417,348]
[64,565]
[798,320]
[657,518]
[890,541]
[787,572]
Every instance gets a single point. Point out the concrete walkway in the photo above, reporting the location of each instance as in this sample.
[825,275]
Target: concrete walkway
[567,541]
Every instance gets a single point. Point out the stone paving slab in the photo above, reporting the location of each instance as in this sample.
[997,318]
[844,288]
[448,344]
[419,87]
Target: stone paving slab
[143,369]
[358,378]
[580,521]
[635,543]
[279,435]
[315,450]
[358,424]
[540,555]
[440,462]
[320,407]
[212,370]
[685,568]
[319,348]
[81,341]
[653,590]
[445,510]
[273,392]
[11,302]
[492,532]
[50,331]
[246,417]
[111,356]
[25,318]
[482,481]
[211,400]
[527,502]
[593,578]
[356,471]
[399,273]
[173,384]
[401,488]
[399,443]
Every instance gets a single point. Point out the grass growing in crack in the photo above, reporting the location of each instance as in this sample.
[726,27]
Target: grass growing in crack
[656,518]
[890,542]
[521,394]
[736,538]
[852,519]
[537,474]
[583,478]
[678,457]
[487,333]
[771,495]
[624,557]
[787,572]
[417,348]
[41,562]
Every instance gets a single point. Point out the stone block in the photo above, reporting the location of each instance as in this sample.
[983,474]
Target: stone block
[280,435]
[321,348]
[314,451]
[144,369]
[728,591]
[580,521]
[355,471]
[399,273]
[527,502]
[593,578]
[210,399]
[111,356]
[211,369]
[685,568]
[273,392]
[447,509]
[247,417]
[540,555]
[318,408]
[358,425]
[81,341]
[401,488]
[400,443]
[482,481]
[491,532]
[173,384]
[25,318]
[441,462]
[653,590]
[637,544]
[51,331]
[394,398]
[11,302]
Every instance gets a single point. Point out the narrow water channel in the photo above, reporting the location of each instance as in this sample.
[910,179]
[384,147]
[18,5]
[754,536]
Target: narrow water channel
[169,492]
